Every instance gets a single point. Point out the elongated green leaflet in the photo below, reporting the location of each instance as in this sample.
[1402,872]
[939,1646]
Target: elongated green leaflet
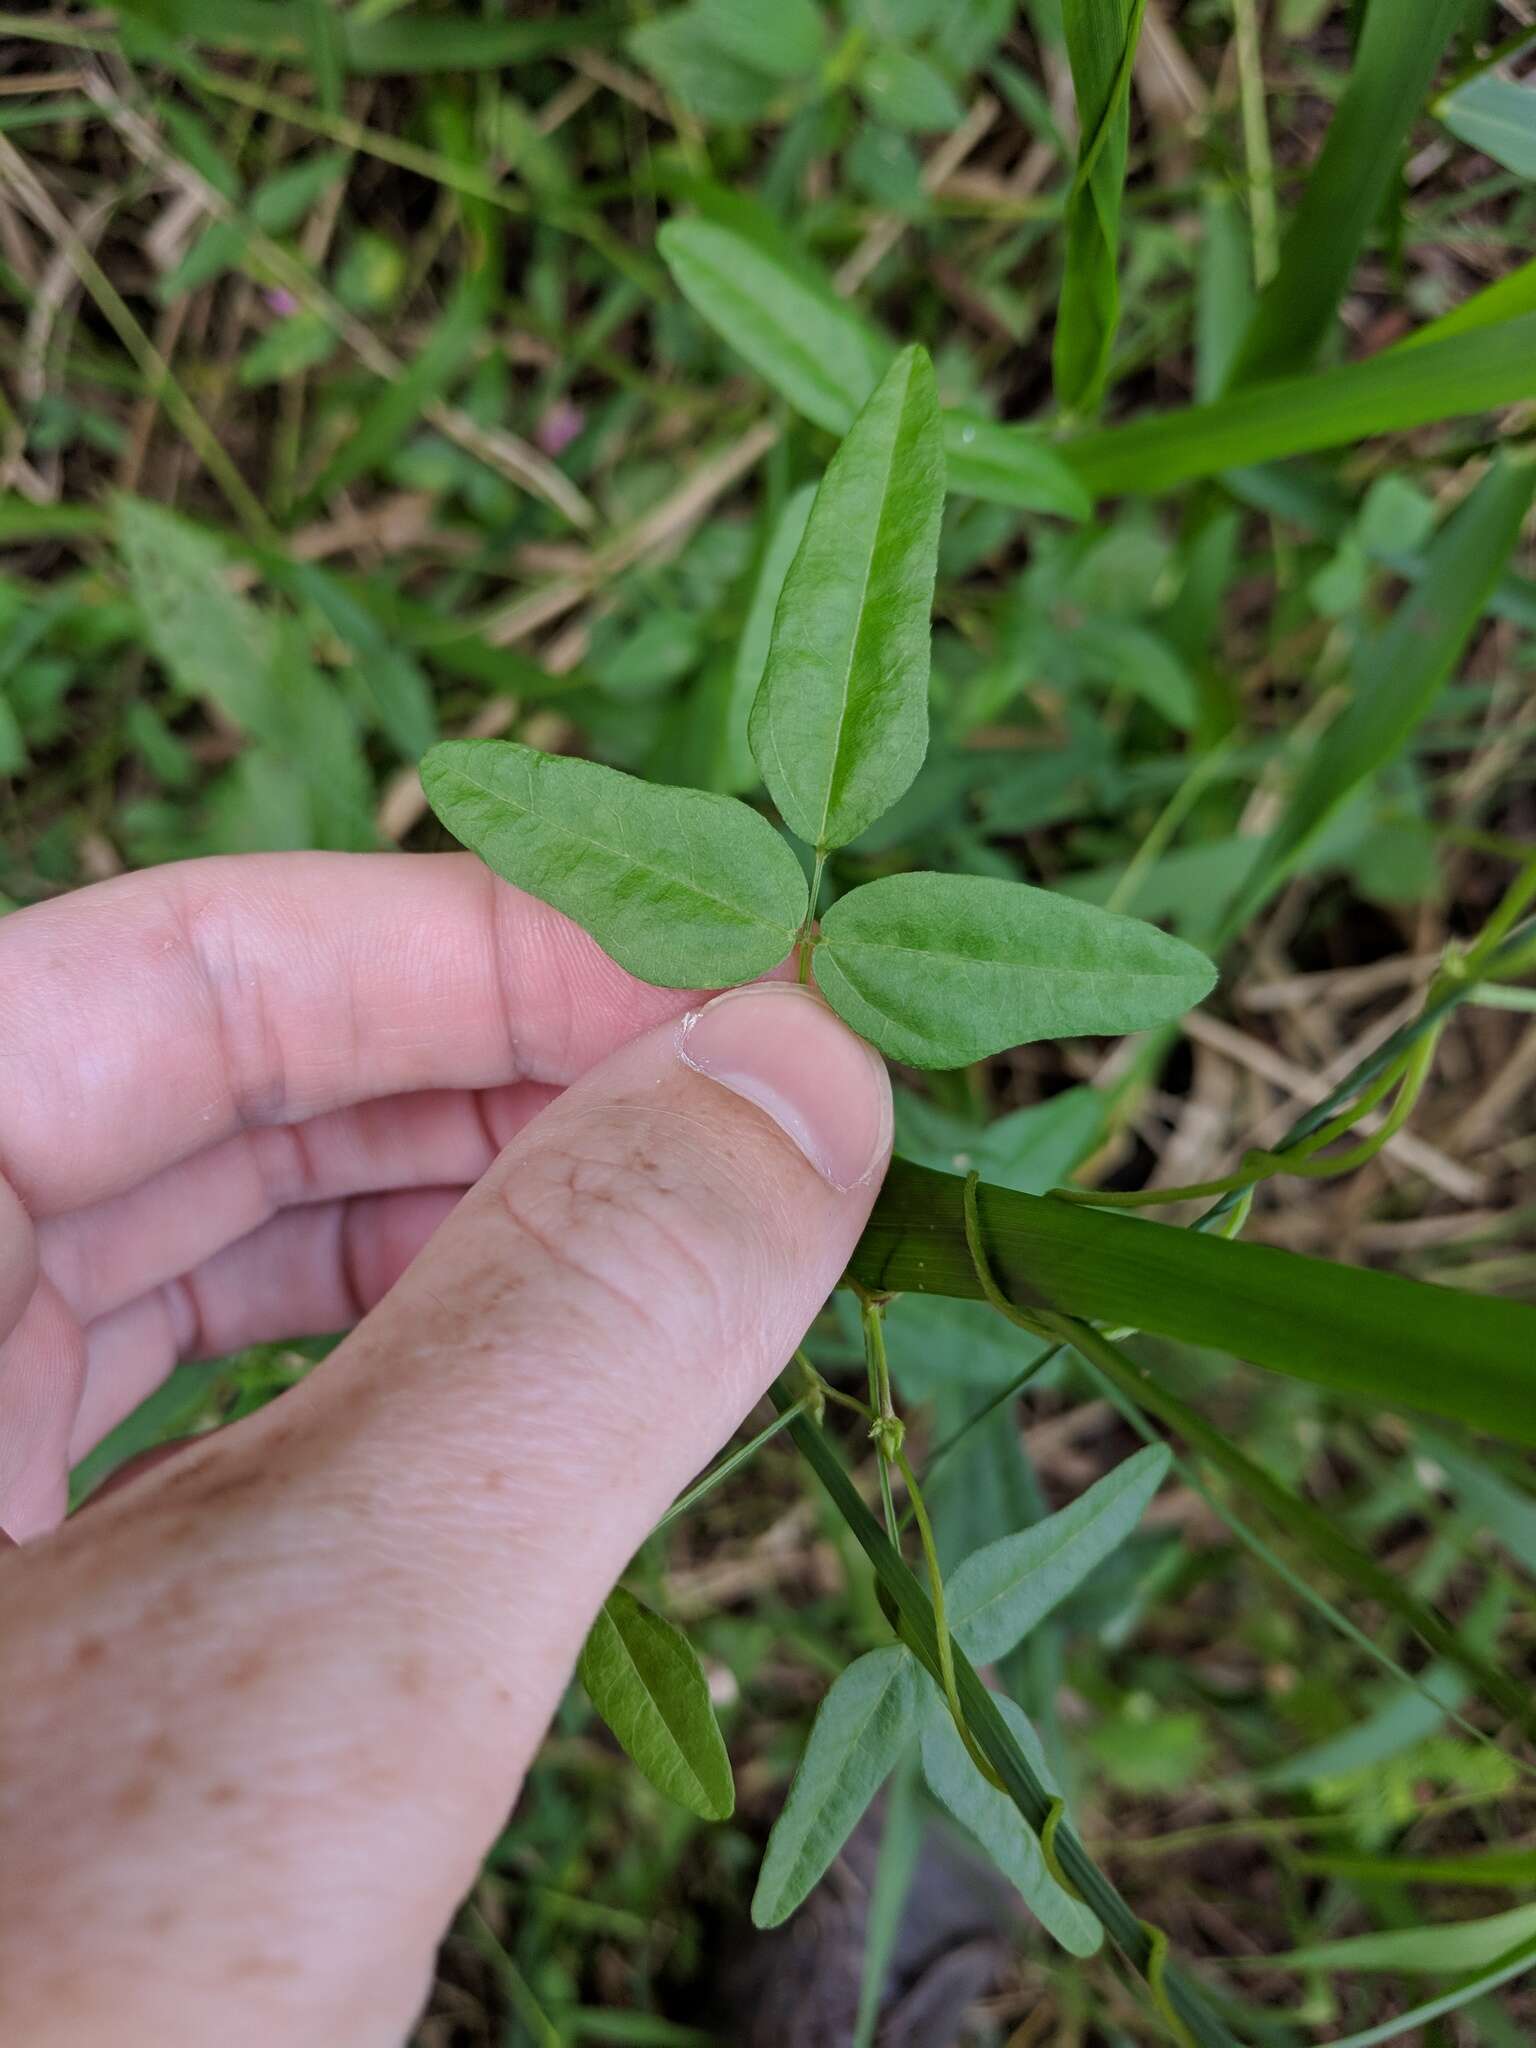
[684,889]
[1101,43]
[826,359]
[1002,1590]
[796,335]
[860,1731]
[1361,153]
[993,1732]
[1401,388]
[940,970]
[1398,674]
[999,1827]
[1403,1343]
[840,725]
[641,1675]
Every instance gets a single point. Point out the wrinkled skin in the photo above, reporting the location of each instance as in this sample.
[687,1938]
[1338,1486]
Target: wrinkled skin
[263,1708]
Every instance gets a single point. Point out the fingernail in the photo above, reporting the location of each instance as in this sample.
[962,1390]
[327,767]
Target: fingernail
[779,1046]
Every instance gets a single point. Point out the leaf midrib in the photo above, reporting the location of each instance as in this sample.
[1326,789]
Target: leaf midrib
[660,1712]
[752,919]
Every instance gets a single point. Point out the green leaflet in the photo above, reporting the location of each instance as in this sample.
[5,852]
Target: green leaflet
[1398,673]
[1496,115]
[757,632]
[860,1730]
[641,1675]
[995,1821]
[817,352]
[1000,1592]
[254,667]
[940,970]
[1360,157]
[1101,42]
[801,340]
[840,726]
[682,888]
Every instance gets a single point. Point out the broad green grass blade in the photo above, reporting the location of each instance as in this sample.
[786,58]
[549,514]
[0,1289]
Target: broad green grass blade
[840,726]
[995,1822]
[642,1676]
[1401,388]
[1415,1951]
[1505,299]
[1504,1970]
[1101,46]
[1494,1869]
[683,888]
[860,1731]
[995,1734]
[1403,1344]
[999,1593]
[1394,65]
[1497,116]
[1399,673]
[939,970]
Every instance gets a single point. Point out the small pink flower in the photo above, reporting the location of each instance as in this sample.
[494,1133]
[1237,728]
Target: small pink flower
[559,427]
[284,304]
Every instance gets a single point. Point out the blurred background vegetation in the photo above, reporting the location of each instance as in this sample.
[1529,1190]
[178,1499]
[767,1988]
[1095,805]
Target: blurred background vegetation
[369,295]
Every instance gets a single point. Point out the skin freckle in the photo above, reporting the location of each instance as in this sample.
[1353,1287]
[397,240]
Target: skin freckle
[245,1670]
[412,1675]
[135,1799]
[224,1793]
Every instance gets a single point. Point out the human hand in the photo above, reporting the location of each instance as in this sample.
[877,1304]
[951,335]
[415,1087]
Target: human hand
[263,1709]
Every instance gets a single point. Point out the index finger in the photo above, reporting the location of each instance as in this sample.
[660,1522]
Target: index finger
[147,1017]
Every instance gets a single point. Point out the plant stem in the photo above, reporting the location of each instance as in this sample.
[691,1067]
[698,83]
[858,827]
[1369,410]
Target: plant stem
[734,1463]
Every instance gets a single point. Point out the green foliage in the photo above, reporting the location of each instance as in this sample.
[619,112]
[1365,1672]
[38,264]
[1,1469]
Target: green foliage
[1496,115]
[687,889]
[992,1818]
[459,443]
[642,1676]
[840,724]
[940,970]
[1101,42]
[999,1593]
[861,1729]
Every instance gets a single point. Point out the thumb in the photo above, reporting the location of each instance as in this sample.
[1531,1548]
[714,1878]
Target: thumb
[601,1311]
[396,1564]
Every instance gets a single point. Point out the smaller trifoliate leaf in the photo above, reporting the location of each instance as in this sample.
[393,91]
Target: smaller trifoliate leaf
[1002,1590]
[940,970]
[860,1730]
[684,889]
[997,1824]
[642,1677]
[840,725]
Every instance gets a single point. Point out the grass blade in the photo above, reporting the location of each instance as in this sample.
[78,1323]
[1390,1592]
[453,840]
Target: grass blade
[1101,45]
[1399,673]
[1400,1343]
[1343,197]
[1467,372]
